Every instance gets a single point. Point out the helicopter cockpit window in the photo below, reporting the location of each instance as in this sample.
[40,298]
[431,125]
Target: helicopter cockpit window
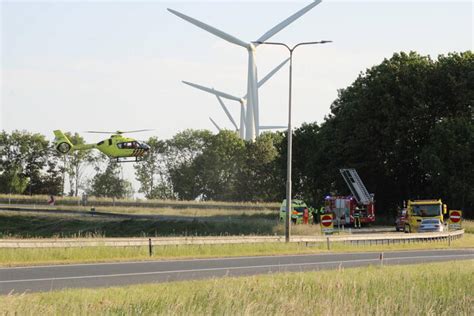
[128,145]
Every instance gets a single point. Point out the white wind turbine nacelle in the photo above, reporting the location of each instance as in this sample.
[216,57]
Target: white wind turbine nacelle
[252,112]
[242,100]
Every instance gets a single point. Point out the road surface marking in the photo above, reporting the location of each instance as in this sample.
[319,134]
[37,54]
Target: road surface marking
[229,268]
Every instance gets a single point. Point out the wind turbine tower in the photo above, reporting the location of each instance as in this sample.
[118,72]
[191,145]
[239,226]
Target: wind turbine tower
[252,119]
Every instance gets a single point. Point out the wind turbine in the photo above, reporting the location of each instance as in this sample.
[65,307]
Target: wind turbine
[242,101]
[219,95]
[252,122]
[240,130]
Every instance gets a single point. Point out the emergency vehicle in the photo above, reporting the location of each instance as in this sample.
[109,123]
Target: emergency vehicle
[298,210]
[356,208]
[418,210]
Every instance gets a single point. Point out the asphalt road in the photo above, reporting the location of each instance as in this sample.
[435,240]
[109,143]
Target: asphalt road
[46,278]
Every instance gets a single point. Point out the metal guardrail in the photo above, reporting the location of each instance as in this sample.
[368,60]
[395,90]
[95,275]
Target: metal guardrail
[371,239]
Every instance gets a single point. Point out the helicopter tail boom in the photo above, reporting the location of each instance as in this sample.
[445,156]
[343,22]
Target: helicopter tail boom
[62,143]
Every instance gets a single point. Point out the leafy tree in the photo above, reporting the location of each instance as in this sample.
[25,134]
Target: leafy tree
[185,146]
[51,179]
[109,183]
[23,157]
[217,167]
[76,163]
[258,176]
[152,172]
[448,162]
[183,179]
[181,151]
[386,124]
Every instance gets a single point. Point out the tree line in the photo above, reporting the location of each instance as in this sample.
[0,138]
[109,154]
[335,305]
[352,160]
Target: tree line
[406,125]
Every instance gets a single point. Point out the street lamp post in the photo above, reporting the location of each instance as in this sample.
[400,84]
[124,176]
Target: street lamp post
[289,149]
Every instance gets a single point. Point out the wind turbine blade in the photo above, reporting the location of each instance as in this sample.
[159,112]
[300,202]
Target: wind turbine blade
[227,112]
[272,127]
[287,22]
[212,91]
[271,73]
[215,124]
[211,29]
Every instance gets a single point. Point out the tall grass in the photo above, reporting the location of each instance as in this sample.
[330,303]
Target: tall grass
[468,226]
[169,211]
[102,201]
[28,225]
[423,289]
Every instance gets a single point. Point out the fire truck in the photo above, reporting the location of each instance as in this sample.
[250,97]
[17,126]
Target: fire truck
[347,210]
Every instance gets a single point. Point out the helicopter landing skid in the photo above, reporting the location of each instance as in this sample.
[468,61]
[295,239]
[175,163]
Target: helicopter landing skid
[133,159]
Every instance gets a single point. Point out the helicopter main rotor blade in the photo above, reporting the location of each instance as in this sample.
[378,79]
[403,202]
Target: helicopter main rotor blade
[136,131]
[98,132]
[119,132]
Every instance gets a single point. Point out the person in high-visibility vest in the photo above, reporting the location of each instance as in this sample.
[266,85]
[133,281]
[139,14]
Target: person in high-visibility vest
[357,218]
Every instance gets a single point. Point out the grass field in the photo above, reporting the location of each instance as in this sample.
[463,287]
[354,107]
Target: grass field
[424,289]
[167,211]
[33,225]
[468,226]
[94,201]
[39,256]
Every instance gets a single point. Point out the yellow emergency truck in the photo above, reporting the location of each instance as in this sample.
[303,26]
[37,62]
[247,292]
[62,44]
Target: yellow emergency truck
[418,210]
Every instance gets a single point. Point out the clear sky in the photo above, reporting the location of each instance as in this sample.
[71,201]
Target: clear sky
[118,65]
[109,65]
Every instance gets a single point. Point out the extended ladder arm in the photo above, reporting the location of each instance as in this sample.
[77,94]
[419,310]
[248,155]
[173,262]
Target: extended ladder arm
[357,187]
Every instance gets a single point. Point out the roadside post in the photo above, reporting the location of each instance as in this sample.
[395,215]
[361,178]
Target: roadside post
[150,248]
[455,217]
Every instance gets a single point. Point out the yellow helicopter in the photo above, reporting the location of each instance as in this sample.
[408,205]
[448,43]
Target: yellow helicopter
[116,147]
